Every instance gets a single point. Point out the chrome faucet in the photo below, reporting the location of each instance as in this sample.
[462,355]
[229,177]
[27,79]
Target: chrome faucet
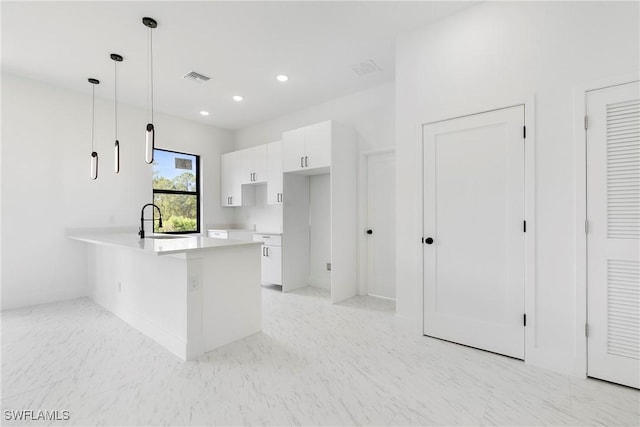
[142,220]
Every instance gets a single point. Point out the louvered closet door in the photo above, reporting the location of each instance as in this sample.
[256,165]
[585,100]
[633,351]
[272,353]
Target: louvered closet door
[613,241]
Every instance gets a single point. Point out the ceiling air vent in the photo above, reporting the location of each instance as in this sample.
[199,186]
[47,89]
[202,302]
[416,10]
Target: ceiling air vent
[195,77]
[366,68]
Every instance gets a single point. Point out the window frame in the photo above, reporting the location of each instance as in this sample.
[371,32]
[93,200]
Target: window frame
[197,193]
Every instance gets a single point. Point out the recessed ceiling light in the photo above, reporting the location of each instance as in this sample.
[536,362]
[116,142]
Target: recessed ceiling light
[282,78]
[238,98]
[204,113]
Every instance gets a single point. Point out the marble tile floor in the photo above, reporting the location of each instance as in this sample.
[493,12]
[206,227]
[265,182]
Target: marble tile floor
[314,364]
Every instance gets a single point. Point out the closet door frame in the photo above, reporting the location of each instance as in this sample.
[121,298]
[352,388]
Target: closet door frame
[580,146]
[529,103]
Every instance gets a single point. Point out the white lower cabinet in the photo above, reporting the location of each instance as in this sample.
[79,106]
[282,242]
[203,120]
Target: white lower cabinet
[271,260]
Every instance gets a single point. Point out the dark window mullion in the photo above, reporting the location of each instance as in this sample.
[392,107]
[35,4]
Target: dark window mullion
[186,193]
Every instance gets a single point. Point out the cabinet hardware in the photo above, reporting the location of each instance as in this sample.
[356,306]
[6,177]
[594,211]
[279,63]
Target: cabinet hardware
[306,161]
[263,251]
[231,200]
[524,320]
[301,162]
[267,250]
[369,231]
[428,240]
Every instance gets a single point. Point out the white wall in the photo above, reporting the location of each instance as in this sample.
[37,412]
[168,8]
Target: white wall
[370,112]
[490,56]
[319,230]
[46,142]
[264,217]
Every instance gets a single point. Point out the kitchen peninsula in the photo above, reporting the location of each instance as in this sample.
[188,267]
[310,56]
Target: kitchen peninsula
[190,294]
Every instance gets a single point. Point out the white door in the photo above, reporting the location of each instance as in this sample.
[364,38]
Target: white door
[613,239]
[381,217]
[473,228]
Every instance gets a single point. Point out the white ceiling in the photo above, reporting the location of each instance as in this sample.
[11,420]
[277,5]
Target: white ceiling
[242,46]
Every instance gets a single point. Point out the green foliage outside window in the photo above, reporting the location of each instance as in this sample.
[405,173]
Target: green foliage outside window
[177,197]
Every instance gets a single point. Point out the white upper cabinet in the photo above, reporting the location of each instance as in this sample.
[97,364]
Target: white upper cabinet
[274,173]
[293,150]
[307,148]
[317,144]
[253,165]
[231,188]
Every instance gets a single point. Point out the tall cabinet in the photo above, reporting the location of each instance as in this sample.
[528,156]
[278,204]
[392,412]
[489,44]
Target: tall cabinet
[326,147]
[275,194]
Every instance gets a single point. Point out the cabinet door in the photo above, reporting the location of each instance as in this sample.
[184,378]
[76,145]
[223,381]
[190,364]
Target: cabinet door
[227,176]
[293,150]
[244,166]
[317,144]
[231,187]
[274,173]
[271,265]
[258,158]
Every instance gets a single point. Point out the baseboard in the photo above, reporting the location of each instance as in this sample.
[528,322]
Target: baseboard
[28,299]
[563,363]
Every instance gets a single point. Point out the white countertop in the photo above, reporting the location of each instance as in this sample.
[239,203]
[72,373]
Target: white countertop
[183,244]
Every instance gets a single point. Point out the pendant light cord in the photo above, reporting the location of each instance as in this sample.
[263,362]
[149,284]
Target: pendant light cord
[115,75]
[151,70]
[93,114]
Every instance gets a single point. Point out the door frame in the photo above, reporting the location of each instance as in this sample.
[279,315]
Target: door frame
[363,204]
[580,158]
[529,103]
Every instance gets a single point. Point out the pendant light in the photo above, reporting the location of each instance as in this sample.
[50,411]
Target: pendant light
[116,147]
[150,130]
[94,155]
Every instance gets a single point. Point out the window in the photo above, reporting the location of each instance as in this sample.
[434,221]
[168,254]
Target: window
[176,191]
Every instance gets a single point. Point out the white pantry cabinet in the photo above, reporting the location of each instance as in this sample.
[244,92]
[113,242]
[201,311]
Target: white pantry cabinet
[307,148]
[329,148]
[230,170]
[275,194]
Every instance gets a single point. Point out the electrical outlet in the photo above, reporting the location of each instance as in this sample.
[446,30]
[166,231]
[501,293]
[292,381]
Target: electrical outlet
[193,283]
[328,266]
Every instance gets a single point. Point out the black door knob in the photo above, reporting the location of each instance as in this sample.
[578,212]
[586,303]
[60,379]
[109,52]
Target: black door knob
[428,240]
[369,231]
